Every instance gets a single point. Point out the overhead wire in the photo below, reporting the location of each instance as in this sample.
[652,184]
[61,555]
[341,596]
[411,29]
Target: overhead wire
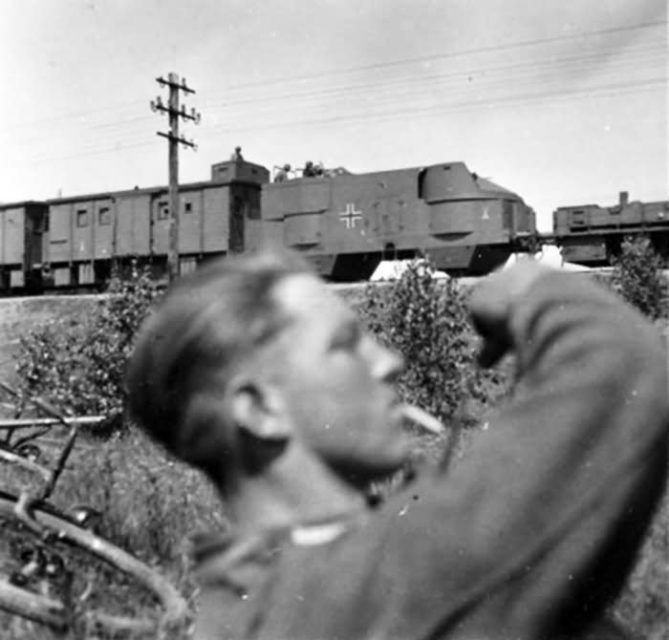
[552,63]
[265,82]
[517,100]
[440,88]
[435,87]
[453,54]
[122,133]
[489,80]
[656,84]
[531,65]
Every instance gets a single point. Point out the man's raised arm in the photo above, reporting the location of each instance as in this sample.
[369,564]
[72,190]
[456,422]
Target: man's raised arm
[535,531]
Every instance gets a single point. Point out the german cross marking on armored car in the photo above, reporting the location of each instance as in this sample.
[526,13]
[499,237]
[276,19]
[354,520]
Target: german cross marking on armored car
[350,216]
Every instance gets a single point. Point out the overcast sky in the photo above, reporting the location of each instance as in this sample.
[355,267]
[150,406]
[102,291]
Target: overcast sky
[562,101]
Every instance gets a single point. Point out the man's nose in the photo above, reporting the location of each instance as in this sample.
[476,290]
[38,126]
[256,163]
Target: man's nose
[386,364]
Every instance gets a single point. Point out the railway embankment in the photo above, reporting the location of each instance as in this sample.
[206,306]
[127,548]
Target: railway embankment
[18,315]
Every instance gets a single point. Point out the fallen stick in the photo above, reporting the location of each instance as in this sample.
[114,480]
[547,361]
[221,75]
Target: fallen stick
[22,423]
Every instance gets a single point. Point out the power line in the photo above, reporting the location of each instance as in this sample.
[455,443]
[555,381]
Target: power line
[361,68]
[431,87]
[514,100]
[641,57]
[612,89]
[442,90]
[444,56]
[78,114]
[454,104]
[115,148]
[532,66]
[523,72]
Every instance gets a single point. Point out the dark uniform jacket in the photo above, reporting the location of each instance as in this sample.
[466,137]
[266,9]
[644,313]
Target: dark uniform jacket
[531,534]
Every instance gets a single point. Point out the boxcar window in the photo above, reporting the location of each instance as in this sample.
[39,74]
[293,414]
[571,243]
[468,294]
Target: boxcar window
[163,211]
[82,217]
[188,207]
[104,216]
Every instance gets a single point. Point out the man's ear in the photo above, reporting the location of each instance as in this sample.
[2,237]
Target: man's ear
[257,410]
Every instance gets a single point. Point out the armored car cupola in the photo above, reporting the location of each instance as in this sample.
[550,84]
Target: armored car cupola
[443,182]
[239,169]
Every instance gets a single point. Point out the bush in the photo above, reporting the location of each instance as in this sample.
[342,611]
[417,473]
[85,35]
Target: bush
[638,277]
[79,364]
[426,320]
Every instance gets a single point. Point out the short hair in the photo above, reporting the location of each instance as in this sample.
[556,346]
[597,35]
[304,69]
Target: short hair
[205,327]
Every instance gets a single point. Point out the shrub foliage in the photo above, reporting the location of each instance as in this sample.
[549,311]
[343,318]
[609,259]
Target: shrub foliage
[426,320]
[79,364]
[638,277]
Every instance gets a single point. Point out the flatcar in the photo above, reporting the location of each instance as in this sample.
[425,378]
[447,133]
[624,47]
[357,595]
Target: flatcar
[591,235]
[344,223]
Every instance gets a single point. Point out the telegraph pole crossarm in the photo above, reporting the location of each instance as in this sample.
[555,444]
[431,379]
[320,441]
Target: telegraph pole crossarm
[174,140]
[180,140]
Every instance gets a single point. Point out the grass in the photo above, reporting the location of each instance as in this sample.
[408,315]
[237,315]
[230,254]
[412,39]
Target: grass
[152,505]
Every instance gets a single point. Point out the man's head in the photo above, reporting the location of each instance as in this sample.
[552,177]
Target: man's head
[253,355]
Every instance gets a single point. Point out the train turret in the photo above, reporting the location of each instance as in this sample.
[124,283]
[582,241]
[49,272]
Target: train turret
[239,170]
[475,224]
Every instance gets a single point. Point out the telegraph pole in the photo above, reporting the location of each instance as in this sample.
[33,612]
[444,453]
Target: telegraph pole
[174,140]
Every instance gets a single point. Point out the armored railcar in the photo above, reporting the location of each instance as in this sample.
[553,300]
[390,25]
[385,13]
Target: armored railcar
[346,224]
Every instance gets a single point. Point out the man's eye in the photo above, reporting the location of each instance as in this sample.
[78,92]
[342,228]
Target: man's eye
[346,338]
